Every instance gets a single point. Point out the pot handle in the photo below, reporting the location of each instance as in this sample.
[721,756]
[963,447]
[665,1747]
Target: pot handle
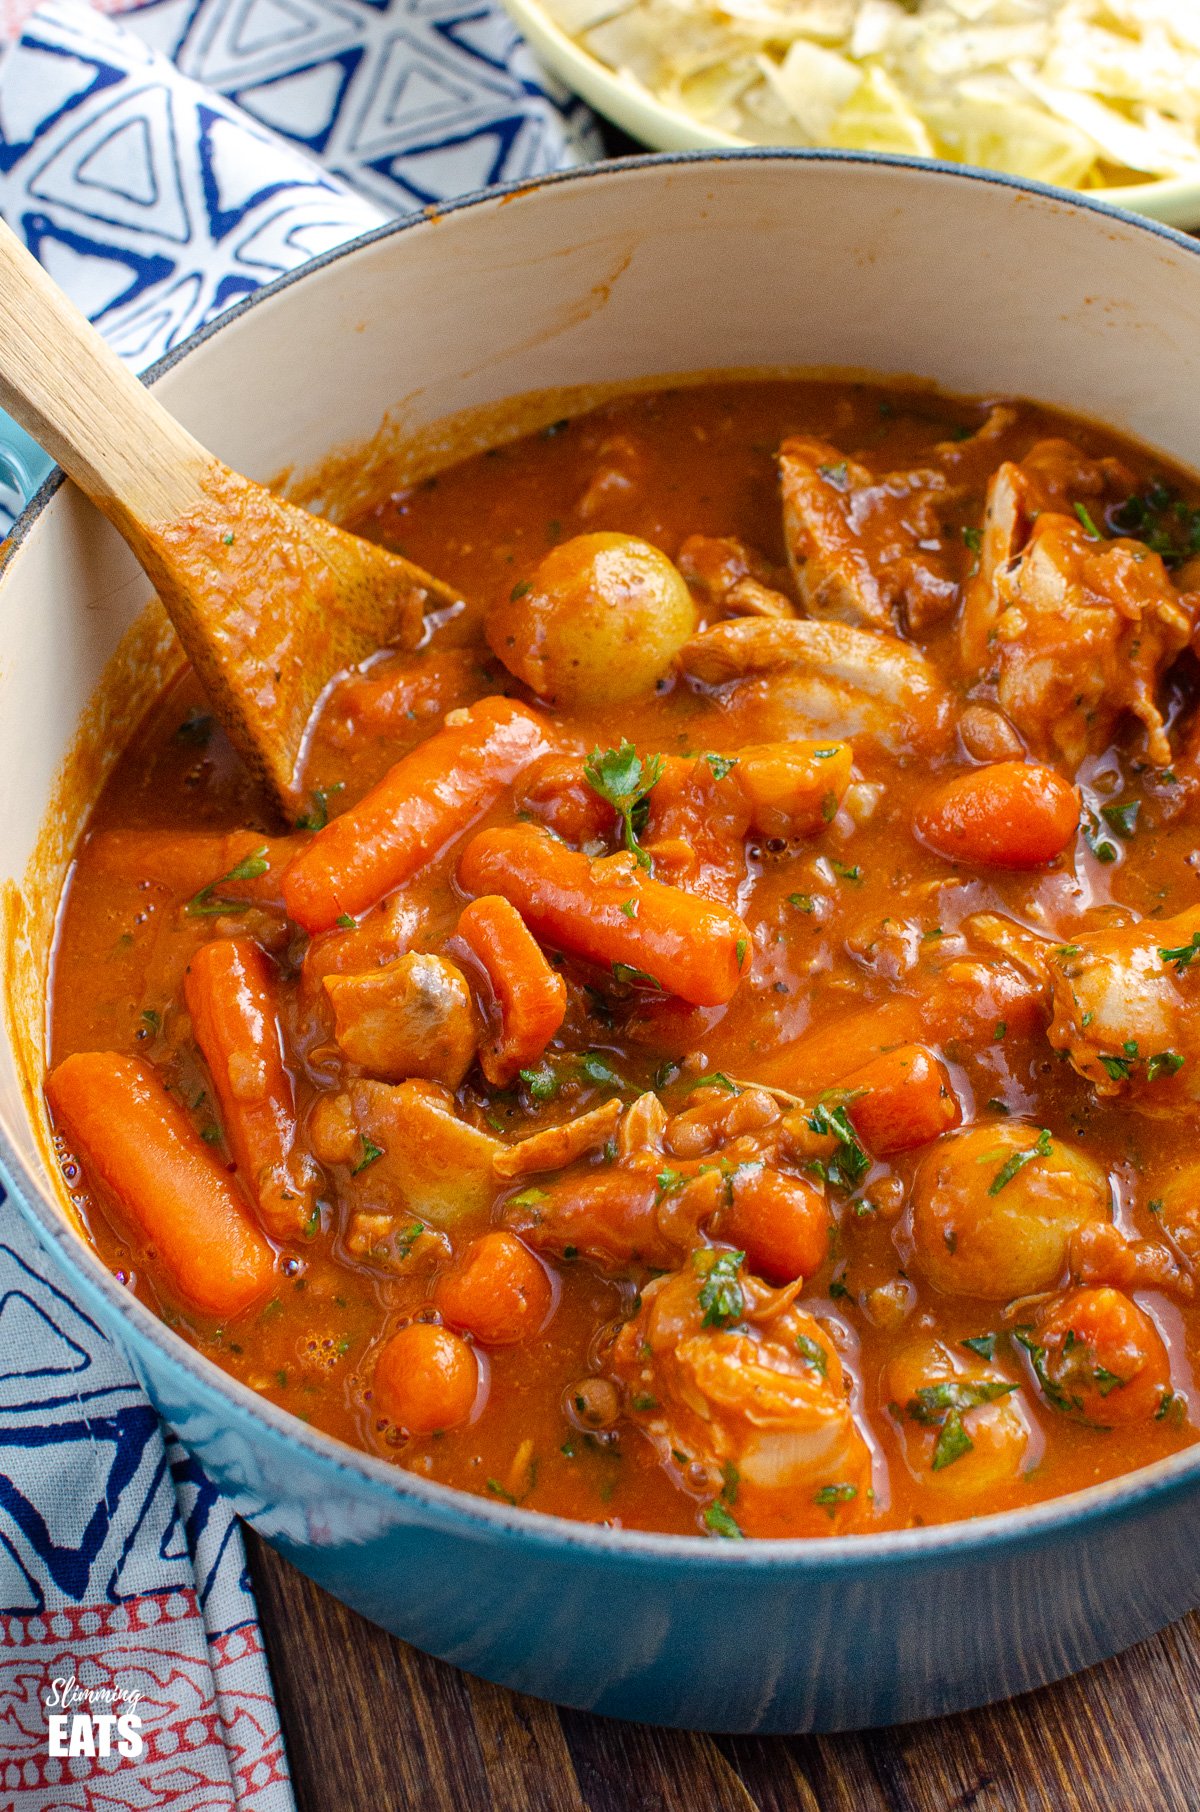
[23,466]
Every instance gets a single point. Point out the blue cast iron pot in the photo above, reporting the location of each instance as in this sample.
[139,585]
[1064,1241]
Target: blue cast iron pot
[648,268]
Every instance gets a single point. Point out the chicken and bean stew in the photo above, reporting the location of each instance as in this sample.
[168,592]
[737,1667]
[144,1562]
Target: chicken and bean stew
[720,1051]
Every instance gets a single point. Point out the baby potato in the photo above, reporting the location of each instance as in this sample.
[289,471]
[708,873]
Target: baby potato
[962,1426]
[994,1208]
[601,621]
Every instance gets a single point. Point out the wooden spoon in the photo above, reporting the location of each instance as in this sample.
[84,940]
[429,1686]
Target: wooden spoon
[268,601]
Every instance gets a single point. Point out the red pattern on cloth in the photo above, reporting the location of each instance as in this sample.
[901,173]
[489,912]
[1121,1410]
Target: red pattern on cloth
[210,1745]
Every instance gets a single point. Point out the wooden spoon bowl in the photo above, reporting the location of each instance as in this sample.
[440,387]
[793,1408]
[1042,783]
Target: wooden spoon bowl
[268,601]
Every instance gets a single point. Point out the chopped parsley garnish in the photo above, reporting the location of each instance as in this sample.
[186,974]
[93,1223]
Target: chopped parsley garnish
[669,1182]
[345,921]
[645,1402]
[803,902]
[954,1396]
[1055,1395]
[1123,818]
[830,1496]
[731,1478]
[848,1163]
[721,765]
[625,972]
[973,538]
[624,781]
[520,590]
[542,1083]
[370,1152]
[208,902]
[717,1079]
[629,908]
[498,1490]
[1182,957]
[599,1070]
[983,1344]
[318,817]
[1017,1161]
[740,951]
[1097,840]
[838,476]
[1089,527]
[1116,1068]
[952,1443]
[528,1197]
[943,1406]
[154,1020]
[720,1294]
[1159,517]
[812,1353]
[408,1239]
[1163,1063]
[853,875]
[719,1519]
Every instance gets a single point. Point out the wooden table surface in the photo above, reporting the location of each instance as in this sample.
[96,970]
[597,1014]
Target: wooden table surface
[375,1726]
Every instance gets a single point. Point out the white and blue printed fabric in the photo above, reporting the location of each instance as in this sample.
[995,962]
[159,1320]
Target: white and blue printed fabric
[165,166]
[161,168]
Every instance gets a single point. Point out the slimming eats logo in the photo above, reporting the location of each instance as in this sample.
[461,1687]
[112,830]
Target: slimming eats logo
[93,1720]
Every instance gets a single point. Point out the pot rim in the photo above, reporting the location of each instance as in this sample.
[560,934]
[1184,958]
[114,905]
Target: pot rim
[1164,1480]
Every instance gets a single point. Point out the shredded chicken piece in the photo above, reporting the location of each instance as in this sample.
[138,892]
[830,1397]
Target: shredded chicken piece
[1026,949]
[1053,477]
[395,1242]
[1076,629]
[412,1017]
[829,501]
[1101,1254]
[714,1389]
[802,678]
[617,477]
[1085,632]
[402,1149]
[559,1145]
[733,577]
[642,1126]
[1127,1010]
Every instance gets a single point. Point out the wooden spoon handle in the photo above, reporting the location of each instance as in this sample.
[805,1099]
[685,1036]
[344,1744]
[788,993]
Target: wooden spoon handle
[65,386]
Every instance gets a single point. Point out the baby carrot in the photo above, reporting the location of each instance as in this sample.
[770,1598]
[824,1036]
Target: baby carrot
[423,802]
[140,1149]
[236,1025]
[610,912]
[974,1003]
[532,999]
[1013,814]
[902,1098]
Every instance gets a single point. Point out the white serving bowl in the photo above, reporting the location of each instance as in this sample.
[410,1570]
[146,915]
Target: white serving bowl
[620,98]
